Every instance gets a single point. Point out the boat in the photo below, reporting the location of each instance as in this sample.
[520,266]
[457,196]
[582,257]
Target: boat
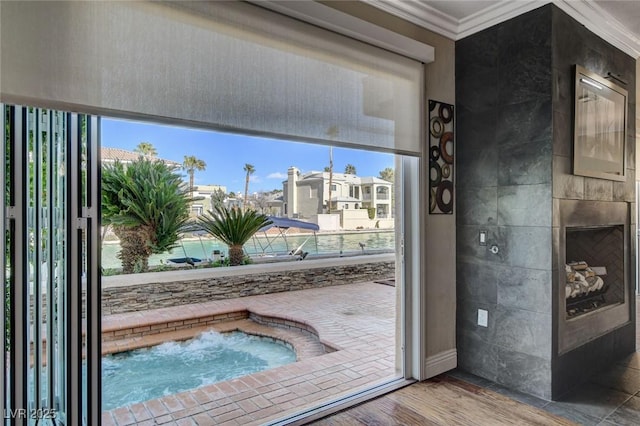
[188,260]
[266,252]
[193,261]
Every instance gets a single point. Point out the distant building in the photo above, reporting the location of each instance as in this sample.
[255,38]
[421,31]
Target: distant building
[269,203]
[234,202]
[204,196]
[306,195]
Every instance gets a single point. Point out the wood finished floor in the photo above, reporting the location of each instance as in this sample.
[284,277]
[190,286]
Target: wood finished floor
[611,398]
[443,400]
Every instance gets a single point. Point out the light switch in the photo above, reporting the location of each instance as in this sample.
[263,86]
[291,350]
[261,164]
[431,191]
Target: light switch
[483,318]
[483,238]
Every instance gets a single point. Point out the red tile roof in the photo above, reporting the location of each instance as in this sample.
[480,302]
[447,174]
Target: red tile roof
[113,154]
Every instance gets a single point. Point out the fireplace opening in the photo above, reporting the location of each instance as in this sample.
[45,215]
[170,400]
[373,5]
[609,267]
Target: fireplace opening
[594,268]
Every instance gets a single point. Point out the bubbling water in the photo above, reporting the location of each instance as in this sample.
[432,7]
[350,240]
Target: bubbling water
[173,367]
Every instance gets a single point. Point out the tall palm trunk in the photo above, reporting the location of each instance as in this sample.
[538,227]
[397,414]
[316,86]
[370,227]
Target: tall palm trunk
[236,254]
[246,193]
[330,178]
[134,252]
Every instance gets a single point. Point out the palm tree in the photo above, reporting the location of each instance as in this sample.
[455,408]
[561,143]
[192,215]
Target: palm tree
[332,133]
[349,169]
[217,197]
[147,204]
[191,164]
[233,227]
[250,170]
[146,148]
[387,174]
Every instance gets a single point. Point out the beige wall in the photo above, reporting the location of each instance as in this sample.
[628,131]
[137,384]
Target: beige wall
[637,117]
[439,250]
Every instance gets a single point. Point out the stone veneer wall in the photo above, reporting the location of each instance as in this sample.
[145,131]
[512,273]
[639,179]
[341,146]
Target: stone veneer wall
[504,186]
[574,44]
[131,293]
[514,93]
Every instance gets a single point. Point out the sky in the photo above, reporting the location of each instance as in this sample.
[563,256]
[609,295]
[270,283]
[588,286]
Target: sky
[226,154]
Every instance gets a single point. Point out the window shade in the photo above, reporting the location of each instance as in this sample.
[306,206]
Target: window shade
[229,66]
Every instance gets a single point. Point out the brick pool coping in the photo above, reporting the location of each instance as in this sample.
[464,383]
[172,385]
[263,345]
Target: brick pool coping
[356,319]
[300,337]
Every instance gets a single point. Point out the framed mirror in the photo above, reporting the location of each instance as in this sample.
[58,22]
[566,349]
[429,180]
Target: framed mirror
[600,122]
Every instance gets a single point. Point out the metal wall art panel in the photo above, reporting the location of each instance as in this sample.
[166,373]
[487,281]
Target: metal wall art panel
[441,156]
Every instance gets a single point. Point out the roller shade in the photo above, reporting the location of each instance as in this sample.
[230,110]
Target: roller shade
[224,65]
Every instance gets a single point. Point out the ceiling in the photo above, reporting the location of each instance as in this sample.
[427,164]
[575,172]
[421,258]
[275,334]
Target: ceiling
[617,21]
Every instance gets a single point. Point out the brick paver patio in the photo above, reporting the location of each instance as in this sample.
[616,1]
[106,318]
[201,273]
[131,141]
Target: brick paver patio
[358,320]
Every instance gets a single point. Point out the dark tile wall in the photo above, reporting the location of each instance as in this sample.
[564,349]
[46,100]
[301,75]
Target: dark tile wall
[514,95]
[504,100]
[574,44]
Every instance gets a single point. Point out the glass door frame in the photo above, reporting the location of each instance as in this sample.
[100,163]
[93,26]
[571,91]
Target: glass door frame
[55,392]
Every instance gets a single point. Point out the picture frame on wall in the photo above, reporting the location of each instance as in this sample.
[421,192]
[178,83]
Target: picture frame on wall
[600,123]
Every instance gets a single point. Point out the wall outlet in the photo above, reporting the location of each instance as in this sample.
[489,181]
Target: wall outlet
[483,318]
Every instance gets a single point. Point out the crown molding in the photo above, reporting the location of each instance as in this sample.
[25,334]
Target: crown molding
[448,26]
[588,13]
[326,17]
[420,14]
[601,23]
[495,14]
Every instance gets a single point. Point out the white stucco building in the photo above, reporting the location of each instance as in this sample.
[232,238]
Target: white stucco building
[306,195]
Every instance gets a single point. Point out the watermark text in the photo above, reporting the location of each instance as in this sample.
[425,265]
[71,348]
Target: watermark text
[23,413]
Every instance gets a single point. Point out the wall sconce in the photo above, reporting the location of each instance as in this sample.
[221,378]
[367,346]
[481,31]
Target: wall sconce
[617,77]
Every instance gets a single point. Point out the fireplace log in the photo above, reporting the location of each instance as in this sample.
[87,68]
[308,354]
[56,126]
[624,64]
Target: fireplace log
[600,270]
[579,266]
[595,283]
[581,279]
[571,274]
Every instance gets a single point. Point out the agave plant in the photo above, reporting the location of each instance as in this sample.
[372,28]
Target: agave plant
[147,204]
[234,227]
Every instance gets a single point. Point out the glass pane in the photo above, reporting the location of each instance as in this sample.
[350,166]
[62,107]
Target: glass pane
[35,250]
[84,185]
[353,307]
[31,251]
[58,263]
[5,176]
[45,255]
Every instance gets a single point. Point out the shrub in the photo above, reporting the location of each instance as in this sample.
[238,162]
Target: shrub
[147,204]
[233,227]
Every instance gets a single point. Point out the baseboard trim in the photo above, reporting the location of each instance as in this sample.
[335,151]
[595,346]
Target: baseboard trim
[441,363]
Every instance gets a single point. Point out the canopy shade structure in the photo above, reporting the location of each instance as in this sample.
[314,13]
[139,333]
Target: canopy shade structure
[188,260]
[283,224]
[286,223]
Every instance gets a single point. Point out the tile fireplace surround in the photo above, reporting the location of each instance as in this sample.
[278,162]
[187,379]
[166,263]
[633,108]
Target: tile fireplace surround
[597,221]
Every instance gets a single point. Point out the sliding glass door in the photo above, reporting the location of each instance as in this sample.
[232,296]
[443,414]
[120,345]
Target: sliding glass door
[51,345]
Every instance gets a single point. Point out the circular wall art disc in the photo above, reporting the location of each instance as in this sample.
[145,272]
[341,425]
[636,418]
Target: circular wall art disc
[446,113]
[445,189]
[446,141]
[434,167]
[436,127]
